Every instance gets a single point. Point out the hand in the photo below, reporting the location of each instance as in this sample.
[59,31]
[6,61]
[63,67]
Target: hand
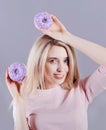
[14,87]
[57,30]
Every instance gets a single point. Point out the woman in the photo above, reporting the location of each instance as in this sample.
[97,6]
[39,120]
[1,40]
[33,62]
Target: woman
[52,96]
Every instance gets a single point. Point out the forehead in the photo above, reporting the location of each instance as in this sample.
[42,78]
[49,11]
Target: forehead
[57,51]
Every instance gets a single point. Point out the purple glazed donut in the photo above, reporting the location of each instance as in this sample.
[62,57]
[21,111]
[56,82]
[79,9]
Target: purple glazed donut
[17,72]
[43,20]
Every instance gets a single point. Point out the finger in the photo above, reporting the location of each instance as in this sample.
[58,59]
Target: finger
[12,86]
[7,78]
[56,20]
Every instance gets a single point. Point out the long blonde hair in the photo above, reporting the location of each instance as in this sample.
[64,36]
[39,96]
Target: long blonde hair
[36,64]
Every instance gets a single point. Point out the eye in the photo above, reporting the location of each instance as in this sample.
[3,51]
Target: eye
[53,61]
[66,61]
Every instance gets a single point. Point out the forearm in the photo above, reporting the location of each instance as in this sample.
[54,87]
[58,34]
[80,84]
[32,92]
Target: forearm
[92,50]
[20,122]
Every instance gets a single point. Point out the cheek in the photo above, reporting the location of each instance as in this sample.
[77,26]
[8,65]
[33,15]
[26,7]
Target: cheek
[50,69]
[66,69]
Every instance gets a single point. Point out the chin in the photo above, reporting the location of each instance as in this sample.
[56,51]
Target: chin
[59,83]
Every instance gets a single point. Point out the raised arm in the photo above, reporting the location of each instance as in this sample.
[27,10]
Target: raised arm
[20,122]
[95,51]
[19,104]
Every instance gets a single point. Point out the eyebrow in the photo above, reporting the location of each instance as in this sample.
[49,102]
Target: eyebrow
[56,58]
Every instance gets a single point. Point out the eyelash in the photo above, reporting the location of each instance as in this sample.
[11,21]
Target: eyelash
[66,61]
[52,61]
[55,61]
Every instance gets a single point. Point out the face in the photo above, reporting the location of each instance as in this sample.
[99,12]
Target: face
[56,67]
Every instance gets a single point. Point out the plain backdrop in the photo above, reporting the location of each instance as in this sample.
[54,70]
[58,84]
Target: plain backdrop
[86,19]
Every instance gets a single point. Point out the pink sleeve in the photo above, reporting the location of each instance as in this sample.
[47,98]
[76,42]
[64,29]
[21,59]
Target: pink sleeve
[95,83]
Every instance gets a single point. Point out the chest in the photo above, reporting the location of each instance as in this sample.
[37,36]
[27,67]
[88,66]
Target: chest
[70,114]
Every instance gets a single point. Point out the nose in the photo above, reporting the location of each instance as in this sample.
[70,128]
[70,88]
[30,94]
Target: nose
[60,67]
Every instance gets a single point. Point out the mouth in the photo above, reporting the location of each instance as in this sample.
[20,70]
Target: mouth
[59,76]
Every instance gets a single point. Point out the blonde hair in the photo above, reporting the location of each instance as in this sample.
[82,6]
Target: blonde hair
[36,64]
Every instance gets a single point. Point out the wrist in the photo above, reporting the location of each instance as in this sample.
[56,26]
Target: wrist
[19,106]
[19,103]
[68,37]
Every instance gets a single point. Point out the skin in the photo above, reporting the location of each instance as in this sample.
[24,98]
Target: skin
[57,31]
[56,67]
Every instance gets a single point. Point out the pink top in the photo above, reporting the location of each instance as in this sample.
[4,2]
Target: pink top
[60,109]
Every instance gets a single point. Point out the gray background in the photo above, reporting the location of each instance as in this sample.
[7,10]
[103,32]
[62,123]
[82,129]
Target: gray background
[86,19]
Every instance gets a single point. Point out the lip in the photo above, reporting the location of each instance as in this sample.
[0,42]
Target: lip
[59,76]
